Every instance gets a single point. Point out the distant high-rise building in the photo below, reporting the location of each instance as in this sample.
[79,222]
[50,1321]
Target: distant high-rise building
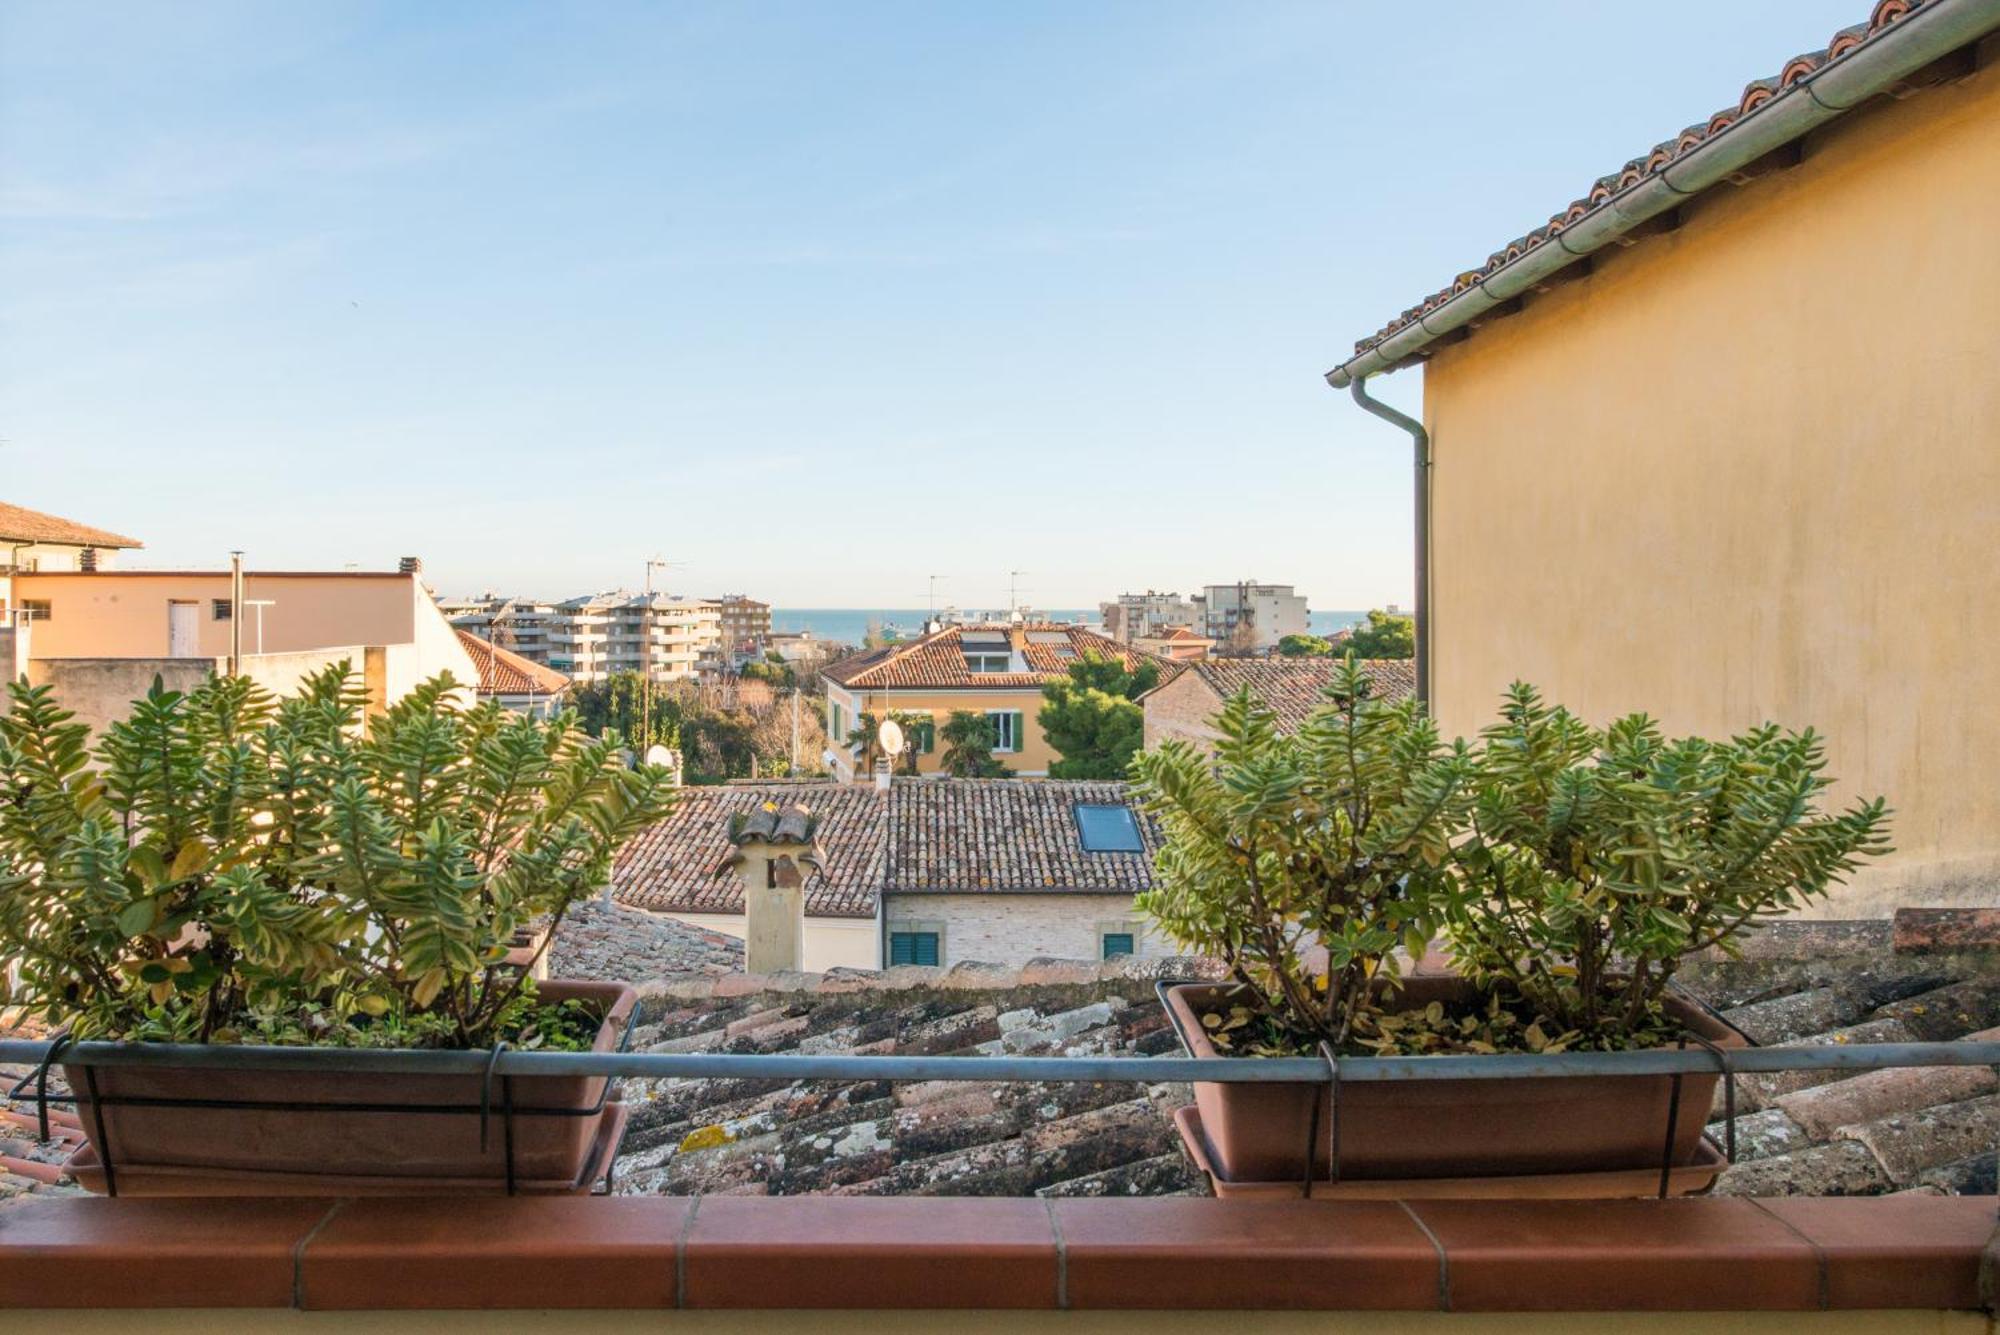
[1250,616]
[1147,615]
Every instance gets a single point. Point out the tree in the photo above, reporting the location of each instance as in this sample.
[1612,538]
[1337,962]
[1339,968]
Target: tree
[968,747]
[1304,646]
[1091,720]
[1384,636]
[866,738]
[616,704]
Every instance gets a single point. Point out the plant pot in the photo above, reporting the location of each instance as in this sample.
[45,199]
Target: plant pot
[164,1122]
[1448,1128]
[1688,1179]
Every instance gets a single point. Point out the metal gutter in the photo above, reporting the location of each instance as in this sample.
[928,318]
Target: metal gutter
[1936,30]
[794,1066]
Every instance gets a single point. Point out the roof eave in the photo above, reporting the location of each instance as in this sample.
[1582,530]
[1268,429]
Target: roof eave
[1903,48]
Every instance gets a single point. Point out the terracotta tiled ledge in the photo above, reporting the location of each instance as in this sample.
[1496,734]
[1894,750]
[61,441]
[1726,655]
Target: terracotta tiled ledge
[816,1252]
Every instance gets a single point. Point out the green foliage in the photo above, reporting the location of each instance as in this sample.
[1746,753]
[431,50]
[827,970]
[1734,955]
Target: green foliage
[229,864]
[968,747]
[864,738]
[1594,861]
[1382,636]
[1304,646]
[1570,869]
[1335,837]
[617,704]
[1091,719]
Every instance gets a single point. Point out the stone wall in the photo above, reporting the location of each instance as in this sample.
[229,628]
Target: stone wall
[1015,928]
[1181,709]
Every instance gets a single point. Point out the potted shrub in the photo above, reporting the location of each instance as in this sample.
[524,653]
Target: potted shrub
[1569,870]
[228,868]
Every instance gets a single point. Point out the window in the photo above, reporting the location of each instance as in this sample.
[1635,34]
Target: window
[988,662]
[1107,829]
[913,948]
[1006,729]
[34,609]
[1116,944]
[837,722]
[923,736]
[219,609]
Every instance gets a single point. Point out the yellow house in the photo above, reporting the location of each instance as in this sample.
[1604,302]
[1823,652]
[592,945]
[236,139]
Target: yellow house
[31,541]
[1721,441]
[997,670]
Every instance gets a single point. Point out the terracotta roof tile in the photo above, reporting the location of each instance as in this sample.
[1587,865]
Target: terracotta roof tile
[1294,687]
[1606,188]
[20,524]
[937,660]
[976,836]
[674,866]
[993,835]
[504,672]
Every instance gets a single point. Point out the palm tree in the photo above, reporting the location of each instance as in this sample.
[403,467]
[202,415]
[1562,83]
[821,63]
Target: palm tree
[968,749]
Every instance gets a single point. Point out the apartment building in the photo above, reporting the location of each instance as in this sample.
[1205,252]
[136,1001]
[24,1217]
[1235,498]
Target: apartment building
[596,636]
[746,627]
[1148,615]
[1253,616]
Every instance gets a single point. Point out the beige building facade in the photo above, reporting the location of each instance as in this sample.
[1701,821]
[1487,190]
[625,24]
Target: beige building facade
[1747,468]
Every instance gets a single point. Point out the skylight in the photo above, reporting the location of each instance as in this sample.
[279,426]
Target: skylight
[1107,829]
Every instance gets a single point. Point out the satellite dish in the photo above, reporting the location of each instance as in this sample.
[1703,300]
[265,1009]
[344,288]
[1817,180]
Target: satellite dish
[659,755]
[891,738]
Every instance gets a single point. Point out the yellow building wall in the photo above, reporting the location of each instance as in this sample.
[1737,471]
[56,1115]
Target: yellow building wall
[1750,469]
[1034,757]
[124,614]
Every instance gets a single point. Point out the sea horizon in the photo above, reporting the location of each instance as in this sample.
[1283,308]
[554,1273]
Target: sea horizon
[849,625]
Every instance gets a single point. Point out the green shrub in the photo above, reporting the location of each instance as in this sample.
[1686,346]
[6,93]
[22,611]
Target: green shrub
[232,867]
[1337,837]
[1594,861]
[1570,870]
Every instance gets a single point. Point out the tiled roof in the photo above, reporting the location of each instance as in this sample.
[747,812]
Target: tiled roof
[634,946]
[942,1138]
[938,660]
[673,867]
[504,672]
[1606,190]
[20,524]
[995,835]
[1294,687]
[978,836]
[1929,1129]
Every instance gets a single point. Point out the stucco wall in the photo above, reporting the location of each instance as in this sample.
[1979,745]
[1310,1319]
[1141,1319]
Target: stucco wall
[830,943]
[1013,929]
[1750,469]
[1034,757]
[123,614]
[1181,709]
[100,691]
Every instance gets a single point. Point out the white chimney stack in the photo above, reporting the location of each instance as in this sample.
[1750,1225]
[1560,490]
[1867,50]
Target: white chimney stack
[772,850]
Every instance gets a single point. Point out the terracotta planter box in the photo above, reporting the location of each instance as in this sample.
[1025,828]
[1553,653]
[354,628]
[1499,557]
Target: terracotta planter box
[322,1127]
[1447,1128]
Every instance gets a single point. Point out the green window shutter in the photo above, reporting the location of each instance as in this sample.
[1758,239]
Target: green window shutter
[1116,944]
[913,948]
[1018,733]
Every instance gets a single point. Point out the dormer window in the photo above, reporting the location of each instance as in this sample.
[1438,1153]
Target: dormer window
[996,662]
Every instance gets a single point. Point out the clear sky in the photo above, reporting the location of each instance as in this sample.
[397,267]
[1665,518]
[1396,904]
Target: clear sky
[815,299]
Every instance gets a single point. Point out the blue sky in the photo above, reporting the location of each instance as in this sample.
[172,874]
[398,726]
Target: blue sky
[817,300]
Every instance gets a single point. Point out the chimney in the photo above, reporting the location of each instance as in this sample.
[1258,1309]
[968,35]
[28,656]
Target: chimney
[1017,635]
[882,773]
[410,565]
[772,850]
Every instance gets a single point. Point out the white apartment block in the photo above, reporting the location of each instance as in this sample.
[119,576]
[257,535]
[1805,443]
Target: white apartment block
[598,635]
[1272,612]
[1146,615]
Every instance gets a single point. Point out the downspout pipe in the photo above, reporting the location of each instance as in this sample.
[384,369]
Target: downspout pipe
[1420,452]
